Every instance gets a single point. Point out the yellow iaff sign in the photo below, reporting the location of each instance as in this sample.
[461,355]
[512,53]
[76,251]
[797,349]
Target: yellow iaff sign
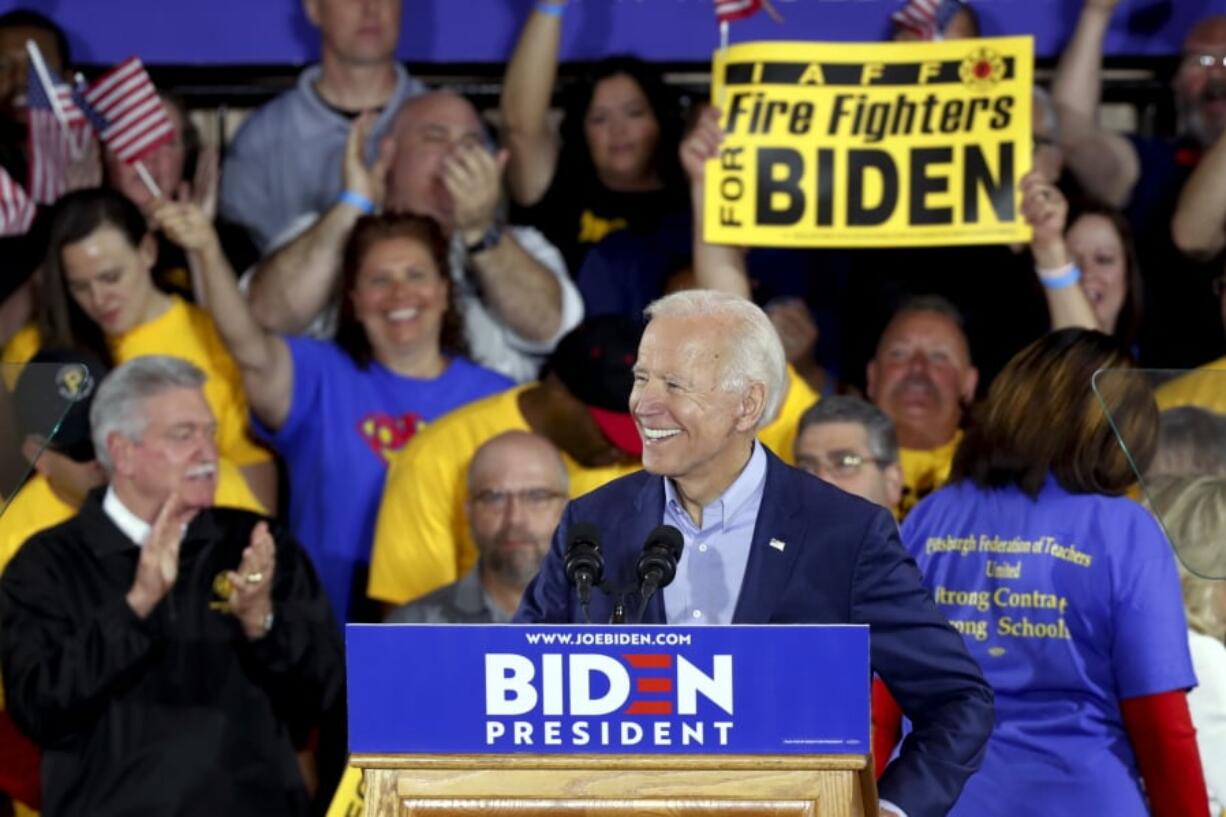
[871,144]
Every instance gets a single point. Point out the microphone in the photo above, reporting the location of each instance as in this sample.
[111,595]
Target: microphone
[658,562]
[584,563]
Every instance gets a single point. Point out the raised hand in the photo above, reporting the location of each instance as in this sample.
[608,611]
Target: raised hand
[186,224]
[1046,211]
[700,144]
[366,180]
[158,566]
[473,178]
[251,598]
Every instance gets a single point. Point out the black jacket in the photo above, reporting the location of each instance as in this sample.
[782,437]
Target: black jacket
[178,714]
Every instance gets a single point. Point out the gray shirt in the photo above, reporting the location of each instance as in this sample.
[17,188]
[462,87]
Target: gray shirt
[286,159]
[462,602]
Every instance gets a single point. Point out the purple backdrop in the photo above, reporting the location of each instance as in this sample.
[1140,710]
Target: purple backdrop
[435,31]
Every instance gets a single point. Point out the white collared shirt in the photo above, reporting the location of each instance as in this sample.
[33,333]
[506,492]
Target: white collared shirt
[132,525]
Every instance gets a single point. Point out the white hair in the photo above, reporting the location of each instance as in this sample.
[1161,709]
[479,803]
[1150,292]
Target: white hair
[755,353]
[118,406]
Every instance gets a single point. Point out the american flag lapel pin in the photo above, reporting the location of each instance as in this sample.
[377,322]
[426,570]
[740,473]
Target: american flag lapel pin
[778,544]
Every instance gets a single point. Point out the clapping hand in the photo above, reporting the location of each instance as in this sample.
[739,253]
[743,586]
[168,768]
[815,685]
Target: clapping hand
[369,181]
[473,178]
[158,566]
[251,597]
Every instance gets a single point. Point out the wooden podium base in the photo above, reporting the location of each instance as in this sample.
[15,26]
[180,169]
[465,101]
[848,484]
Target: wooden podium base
[607,785]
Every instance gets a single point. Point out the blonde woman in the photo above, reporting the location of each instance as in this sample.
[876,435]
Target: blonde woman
[1193,511]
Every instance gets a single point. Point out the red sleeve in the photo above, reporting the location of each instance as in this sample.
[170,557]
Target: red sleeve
[1164,741]
[19,772]
[887,725]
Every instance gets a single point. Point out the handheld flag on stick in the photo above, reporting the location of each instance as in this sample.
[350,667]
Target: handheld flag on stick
[57,129]
[728,10]
[124,108]
[16,209]
[927,18]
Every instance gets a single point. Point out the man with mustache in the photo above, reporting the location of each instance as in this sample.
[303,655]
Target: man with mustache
[1146,176]
[922,377]
[517,487]
[163,653]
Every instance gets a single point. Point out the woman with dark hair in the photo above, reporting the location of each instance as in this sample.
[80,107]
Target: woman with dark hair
[98,295]
[612,163]
[1066,590]
[337,411]
[1087,264]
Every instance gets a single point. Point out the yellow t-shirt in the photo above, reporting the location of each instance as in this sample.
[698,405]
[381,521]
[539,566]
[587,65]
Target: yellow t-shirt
[350,796]
[186,331]
[23,345]
[780,436]
[924,471]
[422,539]
[1204,387]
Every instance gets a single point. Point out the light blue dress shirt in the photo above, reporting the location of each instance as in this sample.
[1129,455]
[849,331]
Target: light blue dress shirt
[714,558]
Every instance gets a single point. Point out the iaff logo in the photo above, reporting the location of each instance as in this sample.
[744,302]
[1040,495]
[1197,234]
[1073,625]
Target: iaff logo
[222,590]
[680,696]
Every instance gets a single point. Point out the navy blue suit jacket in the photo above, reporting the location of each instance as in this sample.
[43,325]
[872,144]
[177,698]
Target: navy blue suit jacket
[842,563]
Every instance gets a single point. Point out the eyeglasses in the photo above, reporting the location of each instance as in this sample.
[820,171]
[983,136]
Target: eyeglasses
[1203,60]
[837,463]
[532,498]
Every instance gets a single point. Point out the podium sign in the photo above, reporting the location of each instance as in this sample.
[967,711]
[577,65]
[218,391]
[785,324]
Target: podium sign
[507,689]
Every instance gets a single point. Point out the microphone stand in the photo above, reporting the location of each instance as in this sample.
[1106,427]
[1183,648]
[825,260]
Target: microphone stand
[650,586]
[619,601]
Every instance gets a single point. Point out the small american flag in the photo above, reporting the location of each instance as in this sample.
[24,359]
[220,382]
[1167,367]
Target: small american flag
[50,145]
[125,110]
[927,18]
[16,209]
[728,10]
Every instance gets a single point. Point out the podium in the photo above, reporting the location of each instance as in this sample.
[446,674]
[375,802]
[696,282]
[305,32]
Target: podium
[545,720]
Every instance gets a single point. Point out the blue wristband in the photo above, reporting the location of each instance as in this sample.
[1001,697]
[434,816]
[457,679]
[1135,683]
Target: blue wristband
[357,200]
[1064,280]
[552,9]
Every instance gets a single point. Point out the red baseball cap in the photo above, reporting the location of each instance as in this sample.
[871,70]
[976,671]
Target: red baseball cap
[620,429]
[595,362]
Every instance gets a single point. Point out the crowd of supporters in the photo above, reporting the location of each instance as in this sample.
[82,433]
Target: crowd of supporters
[418,335]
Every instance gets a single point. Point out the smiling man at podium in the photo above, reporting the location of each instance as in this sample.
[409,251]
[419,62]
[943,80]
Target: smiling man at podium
[763,542]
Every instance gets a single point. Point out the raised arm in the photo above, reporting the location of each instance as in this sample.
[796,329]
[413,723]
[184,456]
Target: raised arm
[526,91]
[1199,224]
[263,358]
[1105,163]
[716,266]
[1046,211]
[293,285]
[524,293]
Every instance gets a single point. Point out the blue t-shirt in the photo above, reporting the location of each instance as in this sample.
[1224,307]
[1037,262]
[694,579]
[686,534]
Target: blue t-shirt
[343,424]
[1070,604]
